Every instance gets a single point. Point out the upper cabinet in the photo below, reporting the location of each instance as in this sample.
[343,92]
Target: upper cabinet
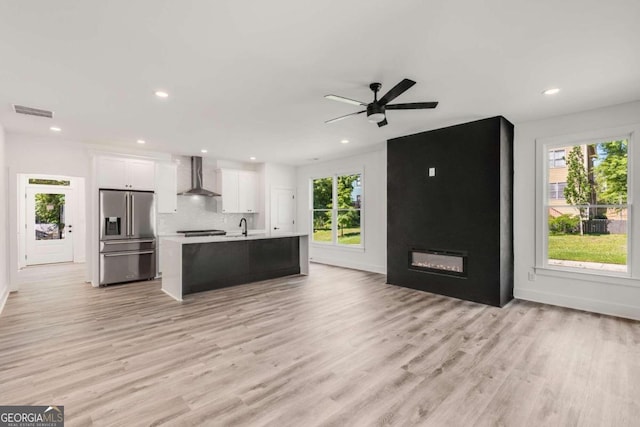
[239,190]
[166,187]
[247,191]
[141,175]
[126,174]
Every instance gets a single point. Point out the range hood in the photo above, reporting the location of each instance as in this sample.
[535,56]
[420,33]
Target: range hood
[196,180]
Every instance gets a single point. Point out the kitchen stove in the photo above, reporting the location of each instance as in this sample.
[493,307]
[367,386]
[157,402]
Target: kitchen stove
[200,233]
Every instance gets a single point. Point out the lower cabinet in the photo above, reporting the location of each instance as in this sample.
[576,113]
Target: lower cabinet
[207,266]
[271,258]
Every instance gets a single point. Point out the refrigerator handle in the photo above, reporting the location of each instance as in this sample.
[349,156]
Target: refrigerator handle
[133,214]
[126,215]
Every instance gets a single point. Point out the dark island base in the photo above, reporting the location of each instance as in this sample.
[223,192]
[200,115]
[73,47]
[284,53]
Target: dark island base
[208,266]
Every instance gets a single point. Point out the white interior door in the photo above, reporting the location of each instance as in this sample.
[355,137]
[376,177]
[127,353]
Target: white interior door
[283,210]
[49,225]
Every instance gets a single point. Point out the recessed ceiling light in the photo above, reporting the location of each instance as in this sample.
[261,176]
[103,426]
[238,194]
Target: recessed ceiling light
[141,141]
[162,94]
[55,129]
[551,91]
[344,141]
[252,158]
[203,151]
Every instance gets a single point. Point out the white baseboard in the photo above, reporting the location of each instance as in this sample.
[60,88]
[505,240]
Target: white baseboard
[578,303]
[350,264]
[3,299]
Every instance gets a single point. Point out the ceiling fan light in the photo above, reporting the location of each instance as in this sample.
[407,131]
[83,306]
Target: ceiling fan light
[375,117]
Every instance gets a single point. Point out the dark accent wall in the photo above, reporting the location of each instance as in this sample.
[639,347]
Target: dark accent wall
[467,207]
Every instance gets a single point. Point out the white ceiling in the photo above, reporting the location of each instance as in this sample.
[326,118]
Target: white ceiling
[247,78]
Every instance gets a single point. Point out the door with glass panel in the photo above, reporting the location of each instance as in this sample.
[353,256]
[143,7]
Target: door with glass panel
[49,225]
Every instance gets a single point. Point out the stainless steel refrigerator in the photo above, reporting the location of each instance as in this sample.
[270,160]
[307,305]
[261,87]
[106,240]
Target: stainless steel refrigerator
[127,236]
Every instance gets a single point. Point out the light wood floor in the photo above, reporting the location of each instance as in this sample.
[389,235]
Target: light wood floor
[336,348]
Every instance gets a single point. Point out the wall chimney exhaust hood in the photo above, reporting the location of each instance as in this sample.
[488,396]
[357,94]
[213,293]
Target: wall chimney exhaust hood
[196,181]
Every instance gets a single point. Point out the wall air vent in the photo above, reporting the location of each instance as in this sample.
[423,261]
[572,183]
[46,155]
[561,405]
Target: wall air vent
[21,109]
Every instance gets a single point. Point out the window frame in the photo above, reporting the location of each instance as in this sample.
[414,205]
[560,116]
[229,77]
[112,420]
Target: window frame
[543,145]
[334,211]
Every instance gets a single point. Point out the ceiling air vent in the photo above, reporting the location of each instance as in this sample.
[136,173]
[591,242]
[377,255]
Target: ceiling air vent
[21,109]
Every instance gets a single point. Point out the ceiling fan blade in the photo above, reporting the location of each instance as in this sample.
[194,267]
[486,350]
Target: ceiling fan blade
[343,99]
[383,123]
[412,106]
[345,116]
[396,91]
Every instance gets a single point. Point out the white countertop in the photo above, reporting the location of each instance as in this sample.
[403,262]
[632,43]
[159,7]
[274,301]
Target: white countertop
[231,237]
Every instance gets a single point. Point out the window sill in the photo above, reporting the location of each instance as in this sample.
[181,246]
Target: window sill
[338,247]
[620,279]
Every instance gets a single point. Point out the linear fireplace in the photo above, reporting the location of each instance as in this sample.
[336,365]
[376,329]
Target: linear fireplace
[439,261]
[450,211]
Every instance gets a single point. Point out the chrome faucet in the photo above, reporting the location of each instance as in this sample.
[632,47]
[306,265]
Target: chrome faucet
[244,232]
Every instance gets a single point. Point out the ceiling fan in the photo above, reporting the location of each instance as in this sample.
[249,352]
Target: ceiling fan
[376,109]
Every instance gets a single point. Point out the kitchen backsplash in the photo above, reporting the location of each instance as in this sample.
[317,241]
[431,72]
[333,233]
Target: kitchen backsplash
[198,212]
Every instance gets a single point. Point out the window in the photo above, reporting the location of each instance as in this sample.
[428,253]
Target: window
[49,181]
[556,190]
[49,218]
[336,213]
[556,158]
[586,207]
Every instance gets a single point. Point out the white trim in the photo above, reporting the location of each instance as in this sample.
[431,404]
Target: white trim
[542,145]
[347,264]
[129,153]
[579,303]
[614,278]
[348,248]
[4,298]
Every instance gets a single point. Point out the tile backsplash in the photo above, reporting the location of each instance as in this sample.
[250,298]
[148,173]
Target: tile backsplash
[198,212]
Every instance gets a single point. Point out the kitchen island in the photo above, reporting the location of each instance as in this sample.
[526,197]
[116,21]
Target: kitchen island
[197,264]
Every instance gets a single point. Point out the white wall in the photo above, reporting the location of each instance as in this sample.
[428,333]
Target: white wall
[40,155]
[608,296]
[374,167]
[4,211]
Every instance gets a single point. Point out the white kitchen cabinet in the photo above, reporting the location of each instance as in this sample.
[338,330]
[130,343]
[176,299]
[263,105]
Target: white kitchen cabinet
[141,175]
[166,187]
[247,191]
[112,173]
[238,189]
[120,173]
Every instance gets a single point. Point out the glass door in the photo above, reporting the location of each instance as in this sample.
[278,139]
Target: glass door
[49,225]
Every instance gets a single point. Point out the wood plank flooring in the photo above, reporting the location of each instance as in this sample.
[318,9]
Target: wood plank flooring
[336,348]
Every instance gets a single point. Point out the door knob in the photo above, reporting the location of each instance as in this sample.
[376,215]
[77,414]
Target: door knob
[276,228]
